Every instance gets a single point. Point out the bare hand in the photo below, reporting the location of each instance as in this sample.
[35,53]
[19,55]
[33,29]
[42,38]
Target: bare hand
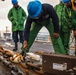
[56,35]
[75,33]
[25,45]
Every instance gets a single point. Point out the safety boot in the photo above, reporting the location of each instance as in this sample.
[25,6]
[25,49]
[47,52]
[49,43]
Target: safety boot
[22,53]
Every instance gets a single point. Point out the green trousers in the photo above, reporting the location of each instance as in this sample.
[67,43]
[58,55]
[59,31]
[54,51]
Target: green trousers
[57,43]
[65,37]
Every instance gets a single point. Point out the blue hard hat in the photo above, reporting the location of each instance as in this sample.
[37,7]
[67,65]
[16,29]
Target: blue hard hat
[65,1]
[14,1]
[34,8]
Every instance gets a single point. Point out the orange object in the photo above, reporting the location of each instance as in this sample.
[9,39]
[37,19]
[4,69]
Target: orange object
[73,6]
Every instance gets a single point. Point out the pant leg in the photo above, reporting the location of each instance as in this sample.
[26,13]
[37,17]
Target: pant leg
[33,33]
[15,36]
[21,36]
[57,42]
[65,36]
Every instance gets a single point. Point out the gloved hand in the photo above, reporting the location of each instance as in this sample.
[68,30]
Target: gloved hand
[56,35]
[25,45]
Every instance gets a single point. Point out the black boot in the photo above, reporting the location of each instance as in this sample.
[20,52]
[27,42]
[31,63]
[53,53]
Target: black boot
[16,47]
[22,53]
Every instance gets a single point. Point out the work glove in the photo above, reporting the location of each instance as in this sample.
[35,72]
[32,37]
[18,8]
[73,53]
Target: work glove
[25,45]
[56,35]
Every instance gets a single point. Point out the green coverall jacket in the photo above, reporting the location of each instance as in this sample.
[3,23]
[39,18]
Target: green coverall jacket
[17,18]
[64,15]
